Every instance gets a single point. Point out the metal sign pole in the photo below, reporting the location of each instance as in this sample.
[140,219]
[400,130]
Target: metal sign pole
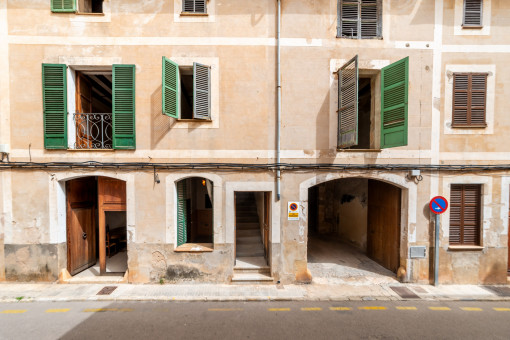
[436,252]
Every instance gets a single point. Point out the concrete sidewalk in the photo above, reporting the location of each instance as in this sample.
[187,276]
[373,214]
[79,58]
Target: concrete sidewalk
[12,292]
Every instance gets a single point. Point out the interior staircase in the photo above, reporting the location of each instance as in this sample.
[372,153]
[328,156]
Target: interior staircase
[251,265]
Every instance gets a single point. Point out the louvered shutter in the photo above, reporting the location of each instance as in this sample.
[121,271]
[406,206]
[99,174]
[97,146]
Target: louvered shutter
[194,6]
[182,235]
[124,107]
[465,214]
[394,100]
[171,88]
[63,6]
[473,13]
[54,86]
[469,99]
[201,91]
[359,18]
[348,80]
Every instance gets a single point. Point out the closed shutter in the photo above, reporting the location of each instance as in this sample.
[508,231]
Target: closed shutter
[182,234]
[171,88]
[473,13]
[124,107]
[348,80]
[194,6]
[465,214]
[54,86]
[394,100]
[359,19]
[63,5]
[201,91]
[469,99]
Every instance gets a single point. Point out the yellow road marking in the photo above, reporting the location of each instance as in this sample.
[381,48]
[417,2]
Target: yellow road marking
[340,308]
[502,309]
[372,308]
[439,308]
[13,311]
[63,310]
[224,309]
[406,308]
[93,310]
[471,309]
[309,309]
[126,310]
[279,309]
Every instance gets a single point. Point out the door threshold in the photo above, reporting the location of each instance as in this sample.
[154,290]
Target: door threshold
[103,279]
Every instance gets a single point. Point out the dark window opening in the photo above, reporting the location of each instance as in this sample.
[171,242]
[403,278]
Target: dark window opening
[364,114]
[90,6]
[186,92]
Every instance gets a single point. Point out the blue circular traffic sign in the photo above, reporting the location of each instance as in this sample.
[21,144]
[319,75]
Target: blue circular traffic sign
[438,205]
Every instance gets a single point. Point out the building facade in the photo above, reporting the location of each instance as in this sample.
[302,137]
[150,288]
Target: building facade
[150,130]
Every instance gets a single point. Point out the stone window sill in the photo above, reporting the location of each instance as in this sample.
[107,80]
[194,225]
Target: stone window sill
[460,248]
[358,150]
[194,248]
[91,14]
[189,14]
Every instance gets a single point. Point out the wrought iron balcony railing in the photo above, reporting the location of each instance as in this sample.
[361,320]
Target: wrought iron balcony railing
[93,130]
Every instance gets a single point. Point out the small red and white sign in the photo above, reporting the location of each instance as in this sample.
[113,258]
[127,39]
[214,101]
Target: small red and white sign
[293,211]
[438,205]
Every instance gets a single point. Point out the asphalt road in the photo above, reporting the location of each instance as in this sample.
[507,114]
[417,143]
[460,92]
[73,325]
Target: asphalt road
[255,320]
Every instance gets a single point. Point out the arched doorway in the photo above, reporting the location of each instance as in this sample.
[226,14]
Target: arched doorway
[354,230]
[96,227]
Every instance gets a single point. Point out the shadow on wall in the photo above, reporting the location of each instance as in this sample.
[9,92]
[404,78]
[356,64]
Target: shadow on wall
[160,124]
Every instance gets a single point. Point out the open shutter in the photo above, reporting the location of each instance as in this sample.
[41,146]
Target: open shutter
[182,235]
[63,6]
[171,88]
[394,99]
[124,107]
[201,91]
[348,81]
[54,86]
[473,13]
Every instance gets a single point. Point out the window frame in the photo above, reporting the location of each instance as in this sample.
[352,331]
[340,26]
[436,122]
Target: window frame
[462,205]
[469,96]
[359,20]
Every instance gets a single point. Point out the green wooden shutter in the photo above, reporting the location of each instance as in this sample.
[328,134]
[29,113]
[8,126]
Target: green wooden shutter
[60,6]
[124,107]
[394,99]
[54,86]
[201,91]
[182,234]
[171,88]
[348,81]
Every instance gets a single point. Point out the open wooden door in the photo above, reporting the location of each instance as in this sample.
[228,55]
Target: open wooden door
[383,229]
[81,224]
[83,105]
[267,207]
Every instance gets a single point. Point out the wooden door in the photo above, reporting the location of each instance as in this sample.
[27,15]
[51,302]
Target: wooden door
[267,206]
[111,197]
[235,227]
[83,105]
[383,229]
[81,224]
[508,266]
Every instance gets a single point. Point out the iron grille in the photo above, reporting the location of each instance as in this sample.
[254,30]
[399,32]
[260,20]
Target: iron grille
[93,130]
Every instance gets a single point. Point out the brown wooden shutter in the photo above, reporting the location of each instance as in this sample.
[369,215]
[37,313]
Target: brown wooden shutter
[359,19]
[469,99]
[465,214]
[472,13]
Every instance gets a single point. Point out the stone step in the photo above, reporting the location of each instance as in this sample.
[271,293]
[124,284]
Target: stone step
[251,263]
[247,219]
[247,232]
[249,239]
[250,278]
[247,225]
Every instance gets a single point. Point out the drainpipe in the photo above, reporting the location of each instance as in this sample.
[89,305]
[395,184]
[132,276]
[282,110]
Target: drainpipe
[278,100]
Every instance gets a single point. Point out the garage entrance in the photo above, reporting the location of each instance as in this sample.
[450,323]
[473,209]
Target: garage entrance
[354,230]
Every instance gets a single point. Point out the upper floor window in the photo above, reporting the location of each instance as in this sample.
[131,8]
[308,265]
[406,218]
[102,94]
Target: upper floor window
[194,6]
[469,99]
[359,19]
[472,13]
[79,6]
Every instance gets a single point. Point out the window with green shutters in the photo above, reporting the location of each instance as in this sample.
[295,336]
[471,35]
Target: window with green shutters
[63,6]
[118,124]
[182,212]
[356,93]
[186,90]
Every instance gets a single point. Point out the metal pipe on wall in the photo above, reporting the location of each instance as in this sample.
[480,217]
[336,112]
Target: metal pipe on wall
[279,99]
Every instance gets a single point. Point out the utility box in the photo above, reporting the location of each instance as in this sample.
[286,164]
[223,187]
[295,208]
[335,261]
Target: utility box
[417,252]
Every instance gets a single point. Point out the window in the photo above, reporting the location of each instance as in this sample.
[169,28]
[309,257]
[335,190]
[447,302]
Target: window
[472,13]
[357,108]
[194,212]
[68,6]
[465,211]
[104,115]
[359,19]
[80,6]
[90,6]
[469,99]
[186,90]
[194,6]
